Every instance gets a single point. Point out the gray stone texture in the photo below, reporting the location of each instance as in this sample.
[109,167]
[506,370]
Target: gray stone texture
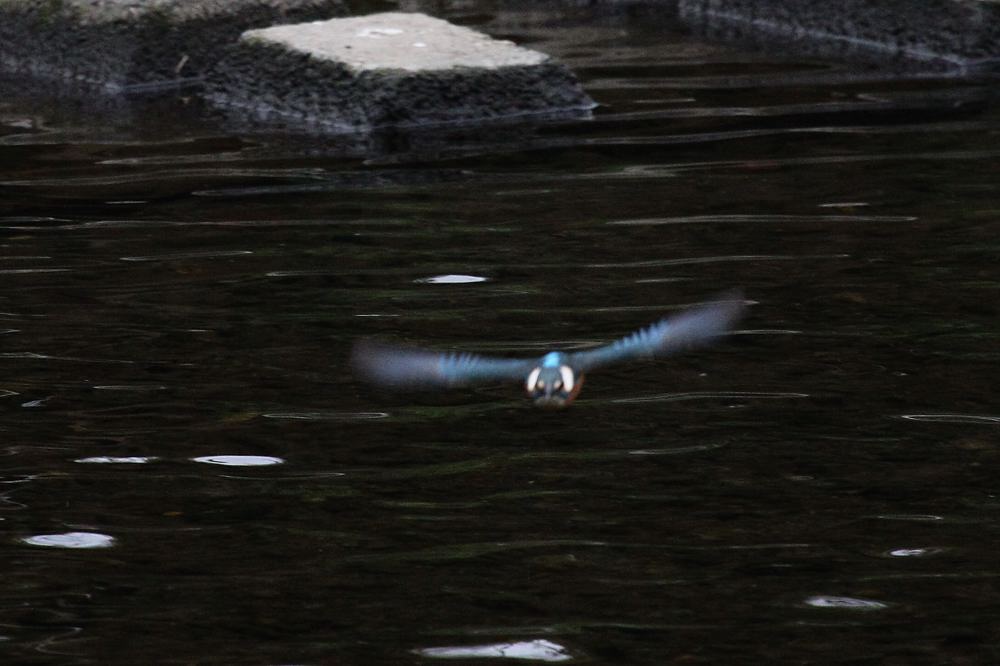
[391,69]
[120,45]
[958,36]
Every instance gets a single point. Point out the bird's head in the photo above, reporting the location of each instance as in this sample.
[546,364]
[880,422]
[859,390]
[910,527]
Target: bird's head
[553,383]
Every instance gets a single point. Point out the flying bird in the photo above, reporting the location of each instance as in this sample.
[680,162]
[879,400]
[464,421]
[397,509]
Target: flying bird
[555,378]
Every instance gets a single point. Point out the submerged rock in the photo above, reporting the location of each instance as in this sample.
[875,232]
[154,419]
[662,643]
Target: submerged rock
[389,69]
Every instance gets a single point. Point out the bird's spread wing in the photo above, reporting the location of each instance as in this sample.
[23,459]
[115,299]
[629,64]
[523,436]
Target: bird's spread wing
[407,367]
[692,328]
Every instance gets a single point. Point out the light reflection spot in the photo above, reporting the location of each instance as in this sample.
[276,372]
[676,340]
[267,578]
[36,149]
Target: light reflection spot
[916,517]
[71,540]
[849,603]
[119,460]
[239,461]
[452,279]
[537,650]
[909,552]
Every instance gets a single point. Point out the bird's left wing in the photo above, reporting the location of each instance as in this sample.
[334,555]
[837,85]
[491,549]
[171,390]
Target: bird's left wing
[408,367]
[690,329]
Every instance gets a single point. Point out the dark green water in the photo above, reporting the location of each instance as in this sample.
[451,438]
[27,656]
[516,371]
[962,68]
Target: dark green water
[820,488]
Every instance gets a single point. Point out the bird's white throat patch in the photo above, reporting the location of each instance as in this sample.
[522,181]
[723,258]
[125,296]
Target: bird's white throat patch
[568,378]
[532,382]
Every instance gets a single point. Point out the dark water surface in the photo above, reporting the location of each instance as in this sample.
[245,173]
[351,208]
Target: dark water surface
[820,488]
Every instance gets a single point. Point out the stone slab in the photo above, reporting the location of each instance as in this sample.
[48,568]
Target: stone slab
[955,36]
[389,69]
[129,45]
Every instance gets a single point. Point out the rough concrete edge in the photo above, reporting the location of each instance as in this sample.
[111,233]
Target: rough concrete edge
[69,17]
[769,33]
[229,87]
[175,12]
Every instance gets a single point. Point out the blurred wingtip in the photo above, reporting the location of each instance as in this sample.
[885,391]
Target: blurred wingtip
[734,304]
[367,362]
[392,366]
[706,323]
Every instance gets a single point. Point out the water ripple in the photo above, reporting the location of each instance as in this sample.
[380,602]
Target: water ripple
[452,279]
[713,395]
[847,603]
[239,461]
[161,176]
[21,271]
[327,416]
[535,650]
[71,540]
[945,575]
[952,418]
[913,552]
[49,357]
[677,450]
[770,163]
[911,517]
[744,219]
[31,219]
[122,460]
[129,387]
[689,261]
[189,255]
[467,551]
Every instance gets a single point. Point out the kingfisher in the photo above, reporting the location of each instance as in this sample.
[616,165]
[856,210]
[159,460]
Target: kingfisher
[554,379]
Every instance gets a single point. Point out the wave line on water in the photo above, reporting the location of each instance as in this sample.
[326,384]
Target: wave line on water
[48,357]
[533,650]
[688,261]
[129,387]
[678,450]
[326,416]
[671,170]
[953,418]
[19,271]
[189,255]
[713,395]
[161,176]
[466,551]
[714,219]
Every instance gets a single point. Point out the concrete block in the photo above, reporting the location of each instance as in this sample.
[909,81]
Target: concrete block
[128,45]
[957,36]
[389,69]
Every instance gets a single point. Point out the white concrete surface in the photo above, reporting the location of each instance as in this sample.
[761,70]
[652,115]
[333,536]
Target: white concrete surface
[396,40]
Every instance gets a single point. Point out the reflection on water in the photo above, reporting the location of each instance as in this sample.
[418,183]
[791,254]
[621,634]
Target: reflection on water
[117,460]
[849,603]
[536,650]
[818,487]
[239,461]
[70,540]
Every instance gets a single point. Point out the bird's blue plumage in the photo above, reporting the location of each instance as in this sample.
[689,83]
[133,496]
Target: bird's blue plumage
[553,360]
